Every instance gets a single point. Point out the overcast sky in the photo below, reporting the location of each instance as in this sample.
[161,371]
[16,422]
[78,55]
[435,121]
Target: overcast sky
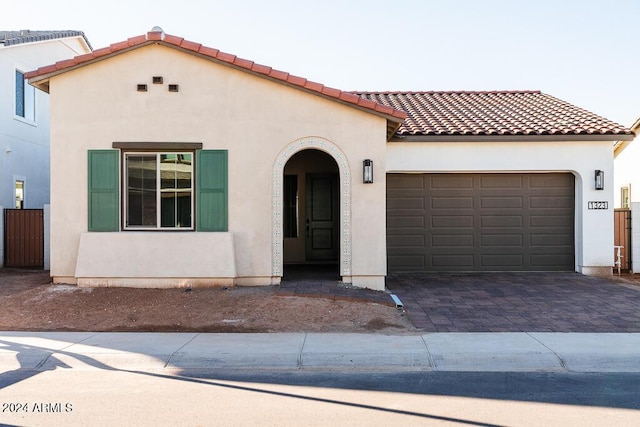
[582,51]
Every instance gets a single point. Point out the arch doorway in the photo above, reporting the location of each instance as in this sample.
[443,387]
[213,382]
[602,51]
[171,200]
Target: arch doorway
[311,216]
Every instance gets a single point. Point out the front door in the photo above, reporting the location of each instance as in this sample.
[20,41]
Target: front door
[322,217]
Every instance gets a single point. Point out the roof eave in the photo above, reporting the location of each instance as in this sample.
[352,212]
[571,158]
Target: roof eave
[41,79]
[621,144]
[510,138]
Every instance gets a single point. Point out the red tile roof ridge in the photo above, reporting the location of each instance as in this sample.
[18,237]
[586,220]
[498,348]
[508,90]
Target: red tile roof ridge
[159,37]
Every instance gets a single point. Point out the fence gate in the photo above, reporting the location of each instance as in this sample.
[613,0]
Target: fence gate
[622,237]
[24,238]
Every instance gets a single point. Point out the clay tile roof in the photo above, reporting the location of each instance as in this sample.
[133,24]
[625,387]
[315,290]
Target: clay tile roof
[159,37]
[510,113]
[11,38]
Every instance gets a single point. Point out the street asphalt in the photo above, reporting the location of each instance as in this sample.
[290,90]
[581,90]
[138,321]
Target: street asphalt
[461,352]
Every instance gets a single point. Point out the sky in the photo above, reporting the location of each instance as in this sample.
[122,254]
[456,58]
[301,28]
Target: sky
[582,51]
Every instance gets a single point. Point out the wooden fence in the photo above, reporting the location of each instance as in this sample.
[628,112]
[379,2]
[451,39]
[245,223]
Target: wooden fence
[24,238]
[622,237]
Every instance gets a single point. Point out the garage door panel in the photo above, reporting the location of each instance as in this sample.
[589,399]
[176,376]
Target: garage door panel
[502,240]
[502,261]
[501,202]
[562,221]
[501,221]
[404,221]
[553,239]
[446,181]
[503,182]
[452,240]
[551,261]
[451,221]
[548,182]
[399,241]
[407,263]
[452,262]
[482,222]
[405,181]
[451,202]
[406,203]
[551,202]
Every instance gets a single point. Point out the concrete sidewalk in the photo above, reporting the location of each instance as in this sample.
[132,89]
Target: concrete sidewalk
[477,352]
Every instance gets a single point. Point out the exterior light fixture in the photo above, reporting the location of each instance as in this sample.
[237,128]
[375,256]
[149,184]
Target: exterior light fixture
[367,171]
[599,176]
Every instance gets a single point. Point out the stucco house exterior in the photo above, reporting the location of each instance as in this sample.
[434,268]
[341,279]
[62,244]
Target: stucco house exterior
[627,186]
[175,164]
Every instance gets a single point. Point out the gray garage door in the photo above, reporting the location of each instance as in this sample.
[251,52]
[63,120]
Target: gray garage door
[480,222]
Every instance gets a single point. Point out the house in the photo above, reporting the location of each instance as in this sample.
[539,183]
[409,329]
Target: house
[626,189]
[24,112]
[175,164]
[24,116]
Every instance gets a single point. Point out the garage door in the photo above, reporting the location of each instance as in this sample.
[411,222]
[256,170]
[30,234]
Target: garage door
[480,222]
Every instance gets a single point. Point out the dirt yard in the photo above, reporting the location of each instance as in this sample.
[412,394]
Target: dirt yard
[29,302]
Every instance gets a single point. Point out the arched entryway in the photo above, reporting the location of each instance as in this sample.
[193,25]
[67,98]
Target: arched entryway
[311,212]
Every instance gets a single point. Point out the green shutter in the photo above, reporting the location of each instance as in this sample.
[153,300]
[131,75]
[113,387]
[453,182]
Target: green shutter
[211,186]
[103,190]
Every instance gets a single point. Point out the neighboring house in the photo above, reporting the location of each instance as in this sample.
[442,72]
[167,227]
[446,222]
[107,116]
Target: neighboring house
[24,112]
[24,123]
[626,186]
[175,164]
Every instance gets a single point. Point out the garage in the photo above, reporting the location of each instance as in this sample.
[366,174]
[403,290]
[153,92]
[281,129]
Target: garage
[480,222]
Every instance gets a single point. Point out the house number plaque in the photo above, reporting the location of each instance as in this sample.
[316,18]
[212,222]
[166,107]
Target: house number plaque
[598,205]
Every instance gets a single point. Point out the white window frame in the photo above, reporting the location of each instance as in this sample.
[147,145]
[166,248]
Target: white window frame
[23,180]
[627,189]
[159,191]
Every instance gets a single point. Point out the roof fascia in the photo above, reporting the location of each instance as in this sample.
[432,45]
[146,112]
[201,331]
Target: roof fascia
[42,81]
[622,144]
[509,138]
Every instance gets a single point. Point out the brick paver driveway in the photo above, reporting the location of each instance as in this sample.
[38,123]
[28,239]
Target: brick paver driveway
[517,302]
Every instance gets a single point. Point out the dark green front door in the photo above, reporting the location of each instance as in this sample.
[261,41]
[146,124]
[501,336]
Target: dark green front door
[322,218]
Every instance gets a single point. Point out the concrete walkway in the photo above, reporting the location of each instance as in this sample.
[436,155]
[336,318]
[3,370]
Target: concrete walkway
[478,352]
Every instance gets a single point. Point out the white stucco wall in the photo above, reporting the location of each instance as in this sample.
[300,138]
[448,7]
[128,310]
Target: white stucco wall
[593,228]
[253,118]
[24,144]
[627,173]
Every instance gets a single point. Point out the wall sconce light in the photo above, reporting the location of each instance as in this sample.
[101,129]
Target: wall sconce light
[367,171]
[599,179]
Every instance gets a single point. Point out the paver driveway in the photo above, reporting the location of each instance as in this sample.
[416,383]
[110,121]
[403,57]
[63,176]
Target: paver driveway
[517,302]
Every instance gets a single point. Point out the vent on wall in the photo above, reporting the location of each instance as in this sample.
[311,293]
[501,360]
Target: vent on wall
[173,88]
[142,88]
[157,80]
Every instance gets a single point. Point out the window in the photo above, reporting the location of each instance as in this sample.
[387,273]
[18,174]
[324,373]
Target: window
[25,98]
[170,190]
[158,190]
[625,197]
[19,194]
[290,214]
